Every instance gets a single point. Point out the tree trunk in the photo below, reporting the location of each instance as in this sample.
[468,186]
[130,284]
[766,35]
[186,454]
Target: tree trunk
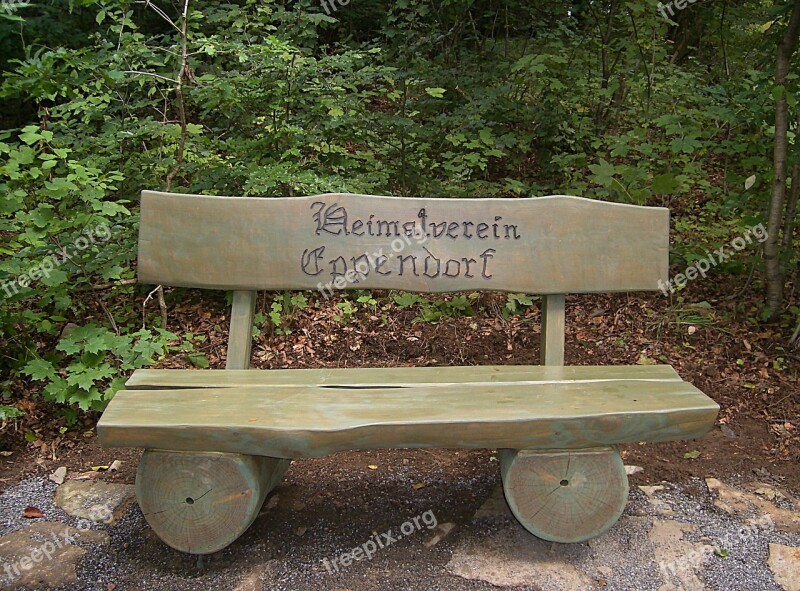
[774,273]
[791,209]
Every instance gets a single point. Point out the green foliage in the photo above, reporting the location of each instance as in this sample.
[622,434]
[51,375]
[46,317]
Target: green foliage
[459,99]
[516,303]
[434,310]
[9,412]
[86,365]
[281,311]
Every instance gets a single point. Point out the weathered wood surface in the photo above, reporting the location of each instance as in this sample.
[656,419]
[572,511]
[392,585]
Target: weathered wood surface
[553,329]
[312,421]
[240,337]
[565,496]
[545,245]
[201,502]
[395,376]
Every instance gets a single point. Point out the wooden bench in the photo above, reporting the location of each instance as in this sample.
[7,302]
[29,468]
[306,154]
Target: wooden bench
[217,441]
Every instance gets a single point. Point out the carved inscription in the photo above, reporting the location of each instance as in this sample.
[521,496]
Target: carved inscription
[427,235]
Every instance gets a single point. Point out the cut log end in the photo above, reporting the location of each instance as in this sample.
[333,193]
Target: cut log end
[565,496]
[201,502]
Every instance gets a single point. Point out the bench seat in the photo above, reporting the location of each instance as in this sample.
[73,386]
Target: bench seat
[314,412]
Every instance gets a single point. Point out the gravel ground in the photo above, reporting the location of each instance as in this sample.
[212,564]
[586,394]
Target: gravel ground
[315,516]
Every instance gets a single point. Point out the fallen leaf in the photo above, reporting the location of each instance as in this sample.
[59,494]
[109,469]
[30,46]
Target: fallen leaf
[372,467]
[111,586]
[32,513]
[99,468]
[419,485]
[5,454]
[691,455]
[86,475]
[58,475]
[631,470]
[299,531]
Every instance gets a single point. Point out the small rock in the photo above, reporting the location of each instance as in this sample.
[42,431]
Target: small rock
[59,475]
[495,507]
[97,501]
[658,506]
[68,328]
[784,562]
[271,503]
[114,466]
[442,531]
[512,557]
[727,431]
[739,503]
[631,470]
[771,493]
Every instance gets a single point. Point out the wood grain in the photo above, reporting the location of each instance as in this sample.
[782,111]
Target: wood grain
[394,376]
[201,502]
[553,329]
[545,245]
[240,337]
[313,421]
[565,496]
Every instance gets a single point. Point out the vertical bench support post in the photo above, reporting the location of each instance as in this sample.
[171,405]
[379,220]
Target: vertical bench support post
[240,338]
[553,329]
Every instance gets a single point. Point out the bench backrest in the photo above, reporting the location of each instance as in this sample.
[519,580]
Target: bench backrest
[546,245]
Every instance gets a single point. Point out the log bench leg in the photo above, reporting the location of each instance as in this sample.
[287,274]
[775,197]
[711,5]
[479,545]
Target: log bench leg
[201,502]
[565,496]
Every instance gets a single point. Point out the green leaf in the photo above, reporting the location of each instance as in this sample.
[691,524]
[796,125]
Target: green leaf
[9,412]
[603,173]
[435,92]
[39,369]
[30,135]
[691,455]
[665,184]
[198,360]
[54,278]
